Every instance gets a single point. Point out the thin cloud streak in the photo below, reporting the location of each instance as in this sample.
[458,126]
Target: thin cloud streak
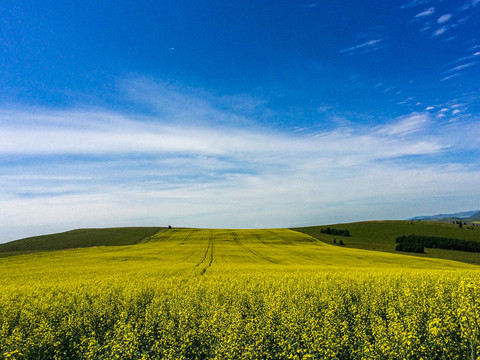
[460,67]
[427,12]
[444,18]
[414,3]
[367,46]
[440,31]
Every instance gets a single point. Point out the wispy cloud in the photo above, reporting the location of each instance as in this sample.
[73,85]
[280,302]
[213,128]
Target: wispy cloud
[112,134]
[440,31]
[407,125]
[461,67]
[470,4]
[427,12]
[451,76]
[201,165]
[444,18]
[446,24]
[367,46]
[465,58]
[415,3]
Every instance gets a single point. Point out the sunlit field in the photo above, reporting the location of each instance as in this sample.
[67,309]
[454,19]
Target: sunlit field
[236,294]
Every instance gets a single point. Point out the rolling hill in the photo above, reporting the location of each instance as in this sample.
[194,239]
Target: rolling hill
[370,235]
[79,238]
[381,235]
[233,294]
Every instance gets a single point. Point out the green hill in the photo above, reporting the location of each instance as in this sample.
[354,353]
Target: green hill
[79,238]
[370,235]
[196,251]
[381,235]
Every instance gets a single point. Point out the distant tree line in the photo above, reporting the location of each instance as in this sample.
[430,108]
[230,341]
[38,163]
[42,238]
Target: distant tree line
[404,243]
[461,224]
[417,243]
[337,232]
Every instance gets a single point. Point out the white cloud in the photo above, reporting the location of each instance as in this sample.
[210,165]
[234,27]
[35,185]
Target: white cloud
[108,168]
[458,68]
[414,3]
[450,77]
[427,12]
[407,125]
[463,66]
[440,31]
[470,4]
[112,137]
[444,18]
[465,58]
[367,46]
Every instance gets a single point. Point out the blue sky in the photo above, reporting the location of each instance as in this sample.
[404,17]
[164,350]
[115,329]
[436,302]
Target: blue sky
[236,114]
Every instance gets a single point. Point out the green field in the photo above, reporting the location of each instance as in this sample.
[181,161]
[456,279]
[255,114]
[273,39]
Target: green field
[236,294]
[79,238]
[381,235]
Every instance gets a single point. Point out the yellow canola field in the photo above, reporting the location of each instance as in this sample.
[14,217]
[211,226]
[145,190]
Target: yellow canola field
[236,294]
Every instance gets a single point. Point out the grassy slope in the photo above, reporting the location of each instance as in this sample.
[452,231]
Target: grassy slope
[79,238]
[198,252]
[374,235]
[380,236]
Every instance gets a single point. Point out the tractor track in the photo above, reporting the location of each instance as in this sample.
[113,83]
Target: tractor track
[206,258]
[186,238]
[286,249]
[256,254]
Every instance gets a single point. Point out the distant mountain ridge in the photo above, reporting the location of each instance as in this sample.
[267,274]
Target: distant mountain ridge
[465,215]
